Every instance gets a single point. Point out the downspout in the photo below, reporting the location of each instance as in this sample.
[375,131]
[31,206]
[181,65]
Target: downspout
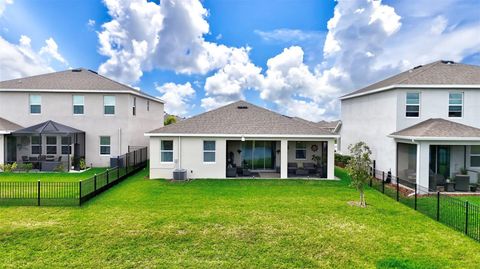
[179,152]
[119,141]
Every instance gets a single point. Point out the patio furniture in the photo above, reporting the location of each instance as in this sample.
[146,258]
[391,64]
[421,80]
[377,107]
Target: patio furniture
[25,159]
[310,167]
[292,168]
[49,158]
[301,172]
[449,186]
[231,171]
[462,183]
[246,173]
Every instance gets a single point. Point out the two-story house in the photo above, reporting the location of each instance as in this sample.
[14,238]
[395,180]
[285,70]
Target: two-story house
[73,113]
[422,124]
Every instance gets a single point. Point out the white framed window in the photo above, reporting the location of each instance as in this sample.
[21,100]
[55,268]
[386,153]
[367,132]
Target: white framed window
[209,151]
[412,105]
[51,145]
[35,104]
[36,145]
[455,104]
[66,145]
[300,151]
[134,107]
[109,105]
[105,145]
[475,156]
[166,151]
[78,105]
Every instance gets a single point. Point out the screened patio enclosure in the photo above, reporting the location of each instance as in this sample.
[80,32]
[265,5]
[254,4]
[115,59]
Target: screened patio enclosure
[48,146]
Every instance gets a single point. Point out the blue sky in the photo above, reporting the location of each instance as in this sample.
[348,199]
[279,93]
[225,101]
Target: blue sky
[295,57]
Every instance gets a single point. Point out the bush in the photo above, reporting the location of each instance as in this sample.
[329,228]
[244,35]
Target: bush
[8,168]
[341,160]
[25,167]
[82,164]
[59,168]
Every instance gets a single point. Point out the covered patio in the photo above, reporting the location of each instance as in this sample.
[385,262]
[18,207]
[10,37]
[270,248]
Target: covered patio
[439,155]
[48,146]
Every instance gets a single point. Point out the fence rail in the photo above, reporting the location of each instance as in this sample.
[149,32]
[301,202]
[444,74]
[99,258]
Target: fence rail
[72,193]
[453,212]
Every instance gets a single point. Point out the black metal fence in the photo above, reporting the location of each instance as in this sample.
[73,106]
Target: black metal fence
[456,213]
[42,193]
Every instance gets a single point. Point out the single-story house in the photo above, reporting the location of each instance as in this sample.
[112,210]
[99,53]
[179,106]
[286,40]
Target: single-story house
[242,140]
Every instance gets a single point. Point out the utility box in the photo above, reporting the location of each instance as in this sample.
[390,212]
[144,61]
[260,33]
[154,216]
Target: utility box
[180,174]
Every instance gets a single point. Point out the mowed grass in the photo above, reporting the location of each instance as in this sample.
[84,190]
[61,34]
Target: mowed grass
[50,177]
[143,223]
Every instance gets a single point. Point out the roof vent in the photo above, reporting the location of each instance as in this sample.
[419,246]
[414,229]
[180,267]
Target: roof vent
[418,66]
[242,107]
[447,62]
[77,70]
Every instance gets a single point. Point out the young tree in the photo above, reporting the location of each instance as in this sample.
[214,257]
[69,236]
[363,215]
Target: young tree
[169,120]
[359,168]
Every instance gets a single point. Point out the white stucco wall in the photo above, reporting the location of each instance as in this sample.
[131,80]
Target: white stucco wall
[2,149]
[371,118]
[123,128]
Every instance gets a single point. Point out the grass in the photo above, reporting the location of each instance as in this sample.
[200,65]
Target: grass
[50,177]
[231,223]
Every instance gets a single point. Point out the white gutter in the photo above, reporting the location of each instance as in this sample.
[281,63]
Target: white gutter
[426,138]
[137,93]
[6,132]
[413,86]
[240,135]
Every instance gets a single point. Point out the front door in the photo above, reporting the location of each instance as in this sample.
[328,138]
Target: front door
[443,161]
[11,149]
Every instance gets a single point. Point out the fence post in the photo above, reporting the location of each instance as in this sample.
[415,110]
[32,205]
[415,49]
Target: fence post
[397,190]
[135,159]
[126,163]
[107,176]
[383,182]
[118,167]
[95,182]
[438,205]
[466,217]
[38,192]
[80,192]
[371,180]
[415,196]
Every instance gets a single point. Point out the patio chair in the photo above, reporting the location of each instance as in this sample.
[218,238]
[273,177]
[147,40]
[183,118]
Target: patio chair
[231,171]
[292,168]
[25,159]
[462,183]
[310,167]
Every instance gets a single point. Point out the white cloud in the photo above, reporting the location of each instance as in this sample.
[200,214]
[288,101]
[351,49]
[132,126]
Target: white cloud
[288,35]
[144,35]
[176,97]
[19,60]
[91,23]
[3,5]
[51,50]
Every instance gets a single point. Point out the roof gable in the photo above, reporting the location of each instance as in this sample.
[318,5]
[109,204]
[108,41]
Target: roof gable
[6,125]
[243,118]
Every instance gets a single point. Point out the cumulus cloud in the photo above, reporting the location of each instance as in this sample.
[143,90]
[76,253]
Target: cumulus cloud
[176,97]
[51,51]
[170,35]
[3,5]
[288,35]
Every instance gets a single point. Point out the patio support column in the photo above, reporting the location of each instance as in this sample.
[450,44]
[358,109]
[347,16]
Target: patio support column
[331,159]
[423,166]
[284,158]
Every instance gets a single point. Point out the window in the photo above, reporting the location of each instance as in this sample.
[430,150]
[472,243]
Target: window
[455,104]
[104,145]
[66,145]
[208,151]
[166,151]
[413,104]
[78,105]
[109,105]
[300,151]
[475,156]
[35,104]
[36,145]
[134,108]
[148,105]
[51,145]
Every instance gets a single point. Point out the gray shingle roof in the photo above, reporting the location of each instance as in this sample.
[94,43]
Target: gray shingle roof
[76,79]
[249,120]
[6,125]
[439,128]
[48,127]
[436,73]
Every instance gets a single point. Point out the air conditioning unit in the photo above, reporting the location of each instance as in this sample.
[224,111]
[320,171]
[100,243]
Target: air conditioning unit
[180,174]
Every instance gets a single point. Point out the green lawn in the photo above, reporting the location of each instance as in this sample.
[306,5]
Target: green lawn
[231,223]
[50,177]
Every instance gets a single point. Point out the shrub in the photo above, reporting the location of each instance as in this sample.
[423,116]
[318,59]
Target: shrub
[342,160]
[25,167]
[59,168]
[82,164]
[8,168]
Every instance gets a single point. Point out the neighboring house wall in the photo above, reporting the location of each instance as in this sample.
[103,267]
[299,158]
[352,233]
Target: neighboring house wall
[2,144]
[123,128]
[370,119]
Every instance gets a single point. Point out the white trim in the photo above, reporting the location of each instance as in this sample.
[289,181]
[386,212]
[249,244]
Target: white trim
[339,124]
[239,136]
[158,100]
[6,132]
[412,86]
[168,150]
[427,138]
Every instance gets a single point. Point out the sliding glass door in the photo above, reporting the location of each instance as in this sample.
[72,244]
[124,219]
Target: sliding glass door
[258,155]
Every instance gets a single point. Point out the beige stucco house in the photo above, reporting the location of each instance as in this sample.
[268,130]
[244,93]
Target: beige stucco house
[102,118]
[242,140]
